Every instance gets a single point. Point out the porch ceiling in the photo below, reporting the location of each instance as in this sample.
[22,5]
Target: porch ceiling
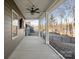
[43,5]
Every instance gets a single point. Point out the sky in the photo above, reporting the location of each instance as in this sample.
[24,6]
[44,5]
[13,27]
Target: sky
[66,9]
[34,23]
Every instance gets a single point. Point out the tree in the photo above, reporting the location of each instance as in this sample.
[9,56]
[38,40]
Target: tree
[53,21]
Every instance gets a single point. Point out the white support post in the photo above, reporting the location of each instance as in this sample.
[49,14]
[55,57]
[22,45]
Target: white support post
[47,33]
[39,27]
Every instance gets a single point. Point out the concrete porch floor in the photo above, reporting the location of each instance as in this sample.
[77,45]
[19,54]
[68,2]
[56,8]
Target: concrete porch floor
[33,47]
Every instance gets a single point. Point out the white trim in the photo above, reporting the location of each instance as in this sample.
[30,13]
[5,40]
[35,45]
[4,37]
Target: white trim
[13,38]
[55,5]
[56,51]
[13,11]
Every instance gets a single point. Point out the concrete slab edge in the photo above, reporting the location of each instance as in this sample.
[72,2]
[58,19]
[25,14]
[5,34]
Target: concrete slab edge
[56,51]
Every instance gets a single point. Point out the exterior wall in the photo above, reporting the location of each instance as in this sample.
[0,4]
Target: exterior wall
[10,45]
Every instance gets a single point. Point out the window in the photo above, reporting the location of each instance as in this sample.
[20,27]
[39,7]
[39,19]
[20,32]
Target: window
[14,24]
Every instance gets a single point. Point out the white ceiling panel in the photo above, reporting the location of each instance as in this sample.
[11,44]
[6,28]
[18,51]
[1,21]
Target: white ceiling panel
[41,4]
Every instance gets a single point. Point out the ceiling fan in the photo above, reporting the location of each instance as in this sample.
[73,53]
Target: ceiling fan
[33,10]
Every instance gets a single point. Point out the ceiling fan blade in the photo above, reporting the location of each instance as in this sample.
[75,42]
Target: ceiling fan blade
[37,12]
[36,9]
